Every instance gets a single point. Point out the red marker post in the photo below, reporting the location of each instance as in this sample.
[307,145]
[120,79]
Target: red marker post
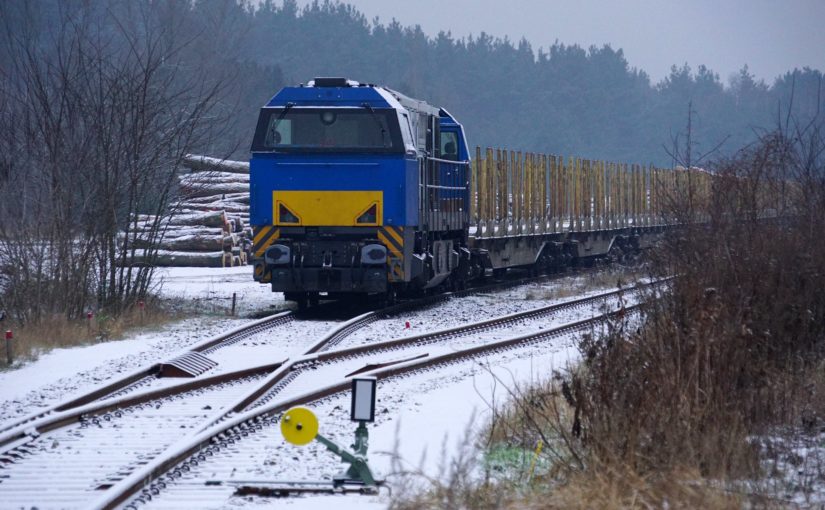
[9,338]
[89,316]
[141,308]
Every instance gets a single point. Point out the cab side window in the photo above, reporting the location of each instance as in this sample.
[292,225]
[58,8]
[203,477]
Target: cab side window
[449,146]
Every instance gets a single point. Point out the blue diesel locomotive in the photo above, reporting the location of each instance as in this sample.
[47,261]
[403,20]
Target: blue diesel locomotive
[358,189]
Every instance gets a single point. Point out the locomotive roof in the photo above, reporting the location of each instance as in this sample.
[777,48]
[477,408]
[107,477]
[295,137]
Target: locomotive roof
[343,92]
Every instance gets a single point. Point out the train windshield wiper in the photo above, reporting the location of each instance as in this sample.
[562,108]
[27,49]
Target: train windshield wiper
[274,128]
[378,122]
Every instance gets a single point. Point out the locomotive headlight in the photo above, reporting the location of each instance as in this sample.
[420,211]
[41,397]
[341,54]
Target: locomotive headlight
[328,118]
[277,254]
[373,254]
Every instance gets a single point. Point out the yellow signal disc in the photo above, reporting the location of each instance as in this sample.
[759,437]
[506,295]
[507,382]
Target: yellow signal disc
[299,426]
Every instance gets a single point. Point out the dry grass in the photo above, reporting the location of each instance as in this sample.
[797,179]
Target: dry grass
[608,278]
[669,413]
[727,355]
[455,486]
[34,339]
[611,488]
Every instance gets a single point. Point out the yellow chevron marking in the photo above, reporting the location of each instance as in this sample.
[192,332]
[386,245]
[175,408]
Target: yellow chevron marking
[395,234]
[261,234]
[398,272]
[394,242]
[390,246]
[260,251]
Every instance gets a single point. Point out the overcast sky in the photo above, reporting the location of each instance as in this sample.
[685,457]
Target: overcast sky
[771,36]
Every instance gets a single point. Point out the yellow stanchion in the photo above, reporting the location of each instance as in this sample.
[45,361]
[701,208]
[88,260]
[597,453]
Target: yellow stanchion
[535,459]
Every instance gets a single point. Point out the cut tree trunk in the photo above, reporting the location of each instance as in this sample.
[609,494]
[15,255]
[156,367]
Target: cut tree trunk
[205,164]
[165,258]
[241,198]
[209,178]
[184,231]
[209,190]
[218,205]
[205,219]
[188,243]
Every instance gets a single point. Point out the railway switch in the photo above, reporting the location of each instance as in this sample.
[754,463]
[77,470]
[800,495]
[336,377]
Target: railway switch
[299,426]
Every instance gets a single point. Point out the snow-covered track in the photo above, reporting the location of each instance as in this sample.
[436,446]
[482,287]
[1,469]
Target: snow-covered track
[484,325]
[142,376]
[264,412]
[303,373]
[101,427]
[319,354]
[337,335]
[111,431]
[92,447]
[28,432]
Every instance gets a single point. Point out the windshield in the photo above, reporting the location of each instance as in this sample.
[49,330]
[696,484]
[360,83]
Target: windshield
[295,129]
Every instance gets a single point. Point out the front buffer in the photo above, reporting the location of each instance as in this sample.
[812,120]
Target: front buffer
[343,264]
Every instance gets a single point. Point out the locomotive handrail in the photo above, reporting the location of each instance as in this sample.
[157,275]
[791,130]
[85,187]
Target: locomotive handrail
[450,161]
[434,186]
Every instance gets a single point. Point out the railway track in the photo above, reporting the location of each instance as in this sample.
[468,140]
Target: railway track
[264,412]
[360,321]
[110,418]
[147,374]
[108,432]
[223,440]
[17,429]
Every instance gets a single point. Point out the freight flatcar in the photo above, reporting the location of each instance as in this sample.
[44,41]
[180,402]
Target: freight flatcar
[357,189]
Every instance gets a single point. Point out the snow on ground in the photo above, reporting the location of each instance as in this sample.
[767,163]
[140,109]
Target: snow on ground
[287,340]
[213,288]
[62,373]
[478,307]
[426,407]
[795,460]
[422,417]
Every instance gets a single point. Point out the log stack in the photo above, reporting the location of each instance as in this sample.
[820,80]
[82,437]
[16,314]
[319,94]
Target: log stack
[209,224]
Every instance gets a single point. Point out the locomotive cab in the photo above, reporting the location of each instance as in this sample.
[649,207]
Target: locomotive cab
[355,189]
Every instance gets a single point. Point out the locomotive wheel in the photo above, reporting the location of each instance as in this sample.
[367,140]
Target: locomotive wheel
[456,284]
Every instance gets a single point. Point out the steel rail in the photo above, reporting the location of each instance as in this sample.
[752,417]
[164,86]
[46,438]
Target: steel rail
[335,336]
[249,421]
[465,329]
[72,411]
[227,338]
[279,373]
[28,431]
[86,408]
[315,354]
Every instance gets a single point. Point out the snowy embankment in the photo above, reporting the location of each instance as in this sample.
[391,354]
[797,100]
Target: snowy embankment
[212,288]
[418,413]
[61,373]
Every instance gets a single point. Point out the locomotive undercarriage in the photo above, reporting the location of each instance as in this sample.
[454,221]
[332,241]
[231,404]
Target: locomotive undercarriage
[308,263]
[335,263]
[557,251]
[329,260]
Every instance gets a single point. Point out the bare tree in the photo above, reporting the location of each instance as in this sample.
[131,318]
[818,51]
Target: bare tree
[98,112]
